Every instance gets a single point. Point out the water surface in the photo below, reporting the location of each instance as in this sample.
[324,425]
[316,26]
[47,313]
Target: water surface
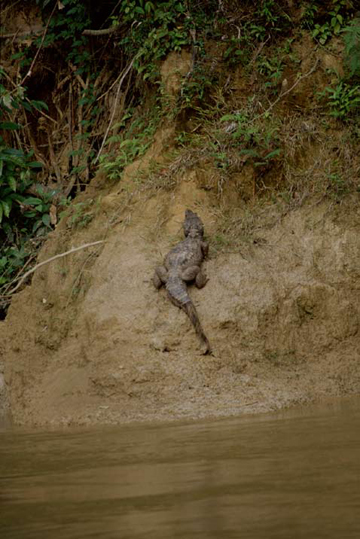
[290,475]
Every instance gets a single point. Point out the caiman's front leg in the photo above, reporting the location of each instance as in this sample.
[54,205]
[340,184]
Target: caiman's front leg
[205,248]
[160,276]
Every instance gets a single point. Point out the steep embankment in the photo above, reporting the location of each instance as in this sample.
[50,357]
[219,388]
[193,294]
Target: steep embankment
[92,341]
[277,186]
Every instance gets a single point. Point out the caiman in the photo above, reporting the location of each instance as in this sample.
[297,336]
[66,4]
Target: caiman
[182,265]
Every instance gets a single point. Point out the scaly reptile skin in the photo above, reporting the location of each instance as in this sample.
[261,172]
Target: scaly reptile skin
[183,265]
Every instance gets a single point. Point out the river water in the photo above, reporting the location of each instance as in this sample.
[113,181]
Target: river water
[290,475]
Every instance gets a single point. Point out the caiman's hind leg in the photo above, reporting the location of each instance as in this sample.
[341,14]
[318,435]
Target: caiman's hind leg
[201,279]
[194,273]
[160,276]
[190,273]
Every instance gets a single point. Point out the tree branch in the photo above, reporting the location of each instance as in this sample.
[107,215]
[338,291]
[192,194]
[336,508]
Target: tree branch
[114,107]
[73,250]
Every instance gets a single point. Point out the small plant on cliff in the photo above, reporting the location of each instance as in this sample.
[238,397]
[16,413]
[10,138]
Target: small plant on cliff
[134,139]
[343,99]
[256,141]
[155,29]
[324,23]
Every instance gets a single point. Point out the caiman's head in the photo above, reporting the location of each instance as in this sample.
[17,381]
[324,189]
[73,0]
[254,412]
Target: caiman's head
[193,226]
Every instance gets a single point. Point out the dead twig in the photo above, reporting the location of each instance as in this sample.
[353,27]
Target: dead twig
[103,32]
[73,250]
[80,80]
[27,33]
[86,32]
[126,71]
[40,47]
[290,89]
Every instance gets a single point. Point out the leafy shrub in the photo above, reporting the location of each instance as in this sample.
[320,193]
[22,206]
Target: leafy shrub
[254,138]
[21,216]
[352,47]
[343,99]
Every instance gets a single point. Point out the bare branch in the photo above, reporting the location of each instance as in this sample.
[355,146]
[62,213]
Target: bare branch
[290,89]
[104,32]
[126,71]
[40,46]
[73,250]
[86,32]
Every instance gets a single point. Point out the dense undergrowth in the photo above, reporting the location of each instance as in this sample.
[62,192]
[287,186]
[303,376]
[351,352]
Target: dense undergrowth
[84,90]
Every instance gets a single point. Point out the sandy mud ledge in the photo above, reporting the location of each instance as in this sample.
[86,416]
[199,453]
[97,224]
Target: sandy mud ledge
[91,341]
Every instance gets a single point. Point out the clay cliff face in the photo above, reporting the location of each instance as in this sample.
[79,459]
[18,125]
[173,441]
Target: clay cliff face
[92,341]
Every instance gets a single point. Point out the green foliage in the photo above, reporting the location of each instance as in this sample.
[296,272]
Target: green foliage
[81,214]
[352,47]
[337,186]
[255,140]
[155,29]
[21,216]
[271,68]
[38,208]
[15,178]
[195,87]
[343,99]
[266,21]
[66,25]
[323,26]
[134,139]
[322,32]
[238,50]
[272,15]
[309,16]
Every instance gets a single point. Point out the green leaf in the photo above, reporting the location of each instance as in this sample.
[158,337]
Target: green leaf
[38,105]
[7,101]
[1,212]
[6,207]
[249,152]
[273,154]
[35,164]
[37,224]
[9,125]
[149,6]
[14,151]
[46,219]
[12,183]
[32,201]
[227,118]
[17,55]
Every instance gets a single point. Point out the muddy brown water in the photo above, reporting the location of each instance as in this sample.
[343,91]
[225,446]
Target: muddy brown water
[290,475]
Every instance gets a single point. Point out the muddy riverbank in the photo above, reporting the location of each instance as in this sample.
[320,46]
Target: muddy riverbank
[91,341]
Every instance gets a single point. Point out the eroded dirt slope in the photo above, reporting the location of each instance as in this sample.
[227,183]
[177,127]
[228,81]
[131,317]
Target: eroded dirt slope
[92,341]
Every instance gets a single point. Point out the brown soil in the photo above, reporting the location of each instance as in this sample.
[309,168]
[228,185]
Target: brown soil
[91,340]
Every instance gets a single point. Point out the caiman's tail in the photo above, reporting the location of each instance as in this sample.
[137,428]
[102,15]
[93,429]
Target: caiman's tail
[190,310]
